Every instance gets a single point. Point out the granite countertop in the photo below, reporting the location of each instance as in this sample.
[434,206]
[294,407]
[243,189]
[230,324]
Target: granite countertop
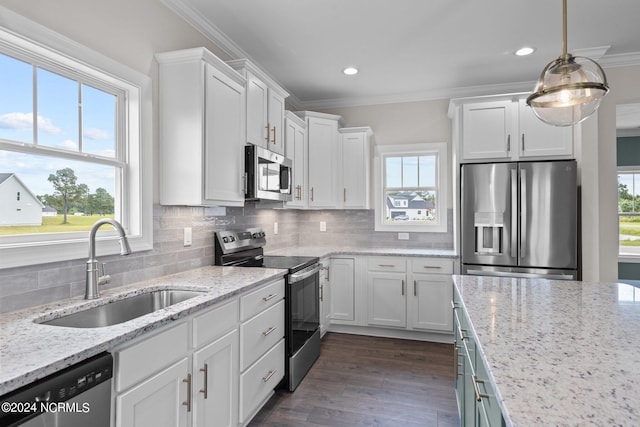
[559,353]
[29,351]
[324,251]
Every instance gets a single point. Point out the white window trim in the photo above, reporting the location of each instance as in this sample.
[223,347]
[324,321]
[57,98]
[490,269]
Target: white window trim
[627,258]
[137,213]
[440,225]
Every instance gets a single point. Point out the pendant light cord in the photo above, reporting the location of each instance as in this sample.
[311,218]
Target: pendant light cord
[564,28]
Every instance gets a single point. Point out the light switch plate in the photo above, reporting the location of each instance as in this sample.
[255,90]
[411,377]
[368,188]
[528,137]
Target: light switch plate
[187,236]
[403,236]
[275,228]
[323,226]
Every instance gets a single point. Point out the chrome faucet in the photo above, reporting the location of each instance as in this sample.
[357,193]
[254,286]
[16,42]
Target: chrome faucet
[93,278]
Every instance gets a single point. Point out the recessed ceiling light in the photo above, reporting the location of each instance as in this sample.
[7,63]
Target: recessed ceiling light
[524,51]
[350,71]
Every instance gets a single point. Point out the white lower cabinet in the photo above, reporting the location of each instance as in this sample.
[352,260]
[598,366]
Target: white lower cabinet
[257,382]
[214,368]
[387,302]
[325,296]
[261,347]
[430,294]
[157,401]
[342,276]
[216,383]
[401,295]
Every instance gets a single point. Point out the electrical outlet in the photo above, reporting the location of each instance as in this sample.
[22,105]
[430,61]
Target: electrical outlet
[187,236]
[323,226]
[403,236]
[275,228]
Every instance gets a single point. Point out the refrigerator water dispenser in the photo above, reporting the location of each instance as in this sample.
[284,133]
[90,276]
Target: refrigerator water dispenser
[489,228]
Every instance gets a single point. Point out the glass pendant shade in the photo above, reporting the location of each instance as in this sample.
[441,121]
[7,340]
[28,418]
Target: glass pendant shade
[569,90]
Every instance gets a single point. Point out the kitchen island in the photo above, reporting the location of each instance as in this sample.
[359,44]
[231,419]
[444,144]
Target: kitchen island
[556,353]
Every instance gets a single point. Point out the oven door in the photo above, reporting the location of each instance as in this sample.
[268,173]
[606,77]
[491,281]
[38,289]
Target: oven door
[303,307]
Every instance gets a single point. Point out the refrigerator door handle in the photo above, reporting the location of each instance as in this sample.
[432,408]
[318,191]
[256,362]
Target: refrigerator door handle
[514,212]
[523,212]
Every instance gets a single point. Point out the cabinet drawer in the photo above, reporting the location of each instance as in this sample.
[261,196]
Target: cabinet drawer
[256,301]
[215,323]
[149,356]
[259,381]
[261,333]
[387,264]
[432,265]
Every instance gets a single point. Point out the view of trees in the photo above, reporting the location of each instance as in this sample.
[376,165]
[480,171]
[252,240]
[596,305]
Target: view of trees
[627,202]
[70,197]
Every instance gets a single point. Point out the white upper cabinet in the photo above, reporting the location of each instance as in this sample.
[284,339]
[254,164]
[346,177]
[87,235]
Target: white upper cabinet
[356,160]
[537,138]
[487,130]
[296,150]
[505,128]
[265,107]
[323,166]
[202,130]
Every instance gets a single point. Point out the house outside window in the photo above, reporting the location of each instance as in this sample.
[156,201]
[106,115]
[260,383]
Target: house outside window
[75,146]
[411,187]
[629,212]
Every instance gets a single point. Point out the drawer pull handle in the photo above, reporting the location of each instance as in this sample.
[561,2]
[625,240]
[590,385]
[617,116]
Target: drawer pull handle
[454,305]
[479,395]
[268,331]
[188,402]
[403,288]
[386,265]
[437,267]
[205,390]
[415,288]
[267,298]
[269,375]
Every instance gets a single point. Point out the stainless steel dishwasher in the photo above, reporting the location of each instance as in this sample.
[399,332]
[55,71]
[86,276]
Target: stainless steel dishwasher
[77,396]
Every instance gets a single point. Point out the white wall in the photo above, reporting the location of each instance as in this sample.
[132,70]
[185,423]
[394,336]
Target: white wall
[599,178]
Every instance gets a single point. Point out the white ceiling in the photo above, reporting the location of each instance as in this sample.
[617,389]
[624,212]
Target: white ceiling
[411,49]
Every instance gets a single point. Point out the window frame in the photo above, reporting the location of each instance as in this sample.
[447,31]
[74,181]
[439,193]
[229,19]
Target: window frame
[626,257]
[22,38]
[420,149]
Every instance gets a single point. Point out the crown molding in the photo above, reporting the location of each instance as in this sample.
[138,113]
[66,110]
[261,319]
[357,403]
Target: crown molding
[210,31]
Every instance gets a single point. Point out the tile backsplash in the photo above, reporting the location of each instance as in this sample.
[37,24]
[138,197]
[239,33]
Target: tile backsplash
[29,286]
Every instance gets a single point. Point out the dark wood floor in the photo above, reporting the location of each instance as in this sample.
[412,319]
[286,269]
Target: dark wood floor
[370,381]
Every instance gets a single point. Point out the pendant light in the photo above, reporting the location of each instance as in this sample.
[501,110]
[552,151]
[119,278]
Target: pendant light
[570,88]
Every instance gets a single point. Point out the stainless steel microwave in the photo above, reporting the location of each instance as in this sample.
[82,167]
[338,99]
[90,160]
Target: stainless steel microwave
[268,174]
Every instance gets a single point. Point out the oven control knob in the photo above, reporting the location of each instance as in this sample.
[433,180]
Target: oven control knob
[254,235]
[262,234]
[225,239]
[232,238]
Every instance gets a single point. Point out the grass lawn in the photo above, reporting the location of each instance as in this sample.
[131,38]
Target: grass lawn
[53,224]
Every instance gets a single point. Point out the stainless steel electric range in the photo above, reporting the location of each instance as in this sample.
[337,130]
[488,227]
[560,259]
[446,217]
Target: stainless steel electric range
[244,248]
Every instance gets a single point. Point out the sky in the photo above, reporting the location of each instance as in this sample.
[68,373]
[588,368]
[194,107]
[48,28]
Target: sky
[58,126]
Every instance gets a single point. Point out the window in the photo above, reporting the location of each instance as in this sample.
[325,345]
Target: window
[629,212]
[73,130]
[411,187]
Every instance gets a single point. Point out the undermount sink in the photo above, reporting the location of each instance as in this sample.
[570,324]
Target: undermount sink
[122,310]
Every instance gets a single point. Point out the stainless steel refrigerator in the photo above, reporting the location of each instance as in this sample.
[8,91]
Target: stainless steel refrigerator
[520,219]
